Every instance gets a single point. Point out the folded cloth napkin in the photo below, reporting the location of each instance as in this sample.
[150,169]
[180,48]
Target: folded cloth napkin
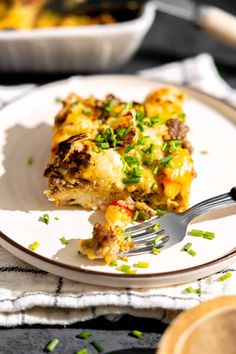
[29,295]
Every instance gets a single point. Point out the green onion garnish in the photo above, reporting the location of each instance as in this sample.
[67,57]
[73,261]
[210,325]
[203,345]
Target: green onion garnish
[160,212]
[225,277]
[156,240]
[137,334]
[142,140]
[196,232]
[140,126]
[129,148]
[136,214]
[155,227]
[44,219]
[113,264]
[204,152]
[87,111]
[97,346]
[208,235]
[155,170]
[131,180]
[84,335]
[142,265]
[187,247]
[191,290]
[82,351]
[156,251]
[96,149]
[63,240]
[52,345]
[121,132]
[56,218]
[104,145]
[151,148]
[30,161]
[192,252]
[166,160]
[136,172]
[127,269]
[33,246]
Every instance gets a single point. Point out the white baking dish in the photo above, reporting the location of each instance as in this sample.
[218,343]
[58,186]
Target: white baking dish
[85,48]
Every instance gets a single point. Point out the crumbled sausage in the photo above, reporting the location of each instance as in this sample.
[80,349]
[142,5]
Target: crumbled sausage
[177,130]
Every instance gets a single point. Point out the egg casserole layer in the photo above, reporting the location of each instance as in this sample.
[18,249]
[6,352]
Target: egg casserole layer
[125,158]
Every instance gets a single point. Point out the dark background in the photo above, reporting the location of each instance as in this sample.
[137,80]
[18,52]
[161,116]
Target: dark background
[169,39]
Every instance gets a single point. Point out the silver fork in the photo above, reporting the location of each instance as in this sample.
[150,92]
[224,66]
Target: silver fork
[172,227]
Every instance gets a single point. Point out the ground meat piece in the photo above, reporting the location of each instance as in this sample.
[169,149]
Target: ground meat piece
[187,145]
[177,130]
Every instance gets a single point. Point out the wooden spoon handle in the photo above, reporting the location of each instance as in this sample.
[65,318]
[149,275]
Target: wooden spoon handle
[218,23]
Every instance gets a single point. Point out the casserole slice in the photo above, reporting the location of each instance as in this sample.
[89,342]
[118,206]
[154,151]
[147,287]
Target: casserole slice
[125,158]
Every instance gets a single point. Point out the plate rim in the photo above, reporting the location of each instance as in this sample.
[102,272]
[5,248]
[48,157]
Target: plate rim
[44,259]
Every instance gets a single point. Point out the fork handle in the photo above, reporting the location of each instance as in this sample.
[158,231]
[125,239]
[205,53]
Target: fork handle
[219,202]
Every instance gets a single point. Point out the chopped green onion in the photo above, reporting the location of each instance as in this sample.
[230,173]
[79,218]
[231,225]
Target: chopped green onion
[33,246]
[156,251]
[136,172]
[84,335]
[131,160]
[30,161]
[58,99]
[225,277]
[160,212]
[104,145]
[166,160]
[140,126]
[63,240]
[142,265]
[204,152]
[121,132]
[127,269]
[191,290]
[97,346]
[140,115]
[136,214]
[82,351]
[208,235]
[195,232]
[182,117]
[52,345]
[131,180]
[129,148]
[192,252]
[142,140]
[155,170]
[96,149]
[156,240]
[164,147]
[187,247]
[87,111]
[154,186]
[113,264]
[137,334]
[44,219]
[56,218]
[155,227]
[151,148]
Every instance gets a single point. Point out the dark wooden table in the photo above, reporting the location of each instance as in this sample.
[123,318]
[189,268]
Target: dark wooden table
[157,49]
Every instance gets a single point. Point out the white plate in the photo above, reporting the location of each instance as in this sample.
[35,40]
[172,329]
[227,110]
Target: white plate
[25,130]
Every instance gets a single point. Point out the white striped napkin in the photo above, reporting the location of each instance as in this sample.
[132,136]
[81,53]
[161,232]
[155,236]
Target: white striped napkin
[29,295]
